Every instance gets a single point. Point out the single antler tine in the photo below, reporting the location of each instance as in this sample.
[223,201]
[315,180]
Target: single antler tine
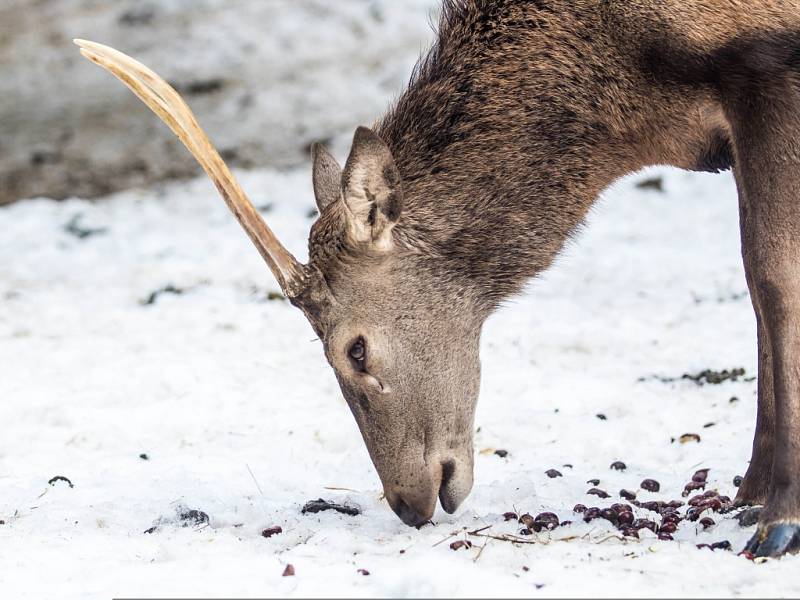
[163,100]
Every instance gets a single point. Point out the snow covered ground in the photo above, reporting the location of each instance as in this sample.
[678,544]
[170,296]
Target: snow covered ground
[230,399]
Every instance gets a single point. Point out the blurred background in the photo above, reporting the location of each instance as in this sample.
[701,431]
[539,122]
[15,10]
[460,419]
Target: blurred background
[266,78]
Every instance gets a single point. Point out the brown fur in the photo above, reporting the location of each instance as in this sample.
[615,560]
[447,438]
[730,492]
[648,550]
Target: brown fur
[520,115]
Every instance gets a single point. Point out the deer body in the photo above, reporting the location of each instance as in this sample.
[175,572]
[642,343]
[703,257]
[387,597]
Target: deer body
[521,114]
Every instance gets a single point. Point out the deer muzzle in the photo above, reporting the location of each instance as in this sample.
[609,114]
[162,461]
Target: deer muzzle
[413,498]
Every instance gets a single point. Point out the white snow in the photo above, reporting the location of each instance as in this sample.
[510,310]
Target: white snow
[219,383]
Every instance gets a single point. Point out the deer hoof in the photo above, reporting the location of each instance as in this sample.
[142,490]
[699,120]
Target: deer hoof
[775,540]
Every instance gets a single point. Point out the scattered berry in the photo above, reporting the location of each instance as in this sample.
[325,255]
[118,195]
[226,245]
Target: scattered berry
[501,453]
[618,465]
[651,485]
[510,516]
[547,520]
[458,544]
[737,481]
[288,571]
[598,492]
[363,572]
[270,531]
[593,482]
[631,496]
[552,473]
[707,522]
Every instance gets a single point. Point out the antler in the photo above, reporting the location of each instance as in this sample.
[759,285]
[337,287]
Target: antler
[163,100]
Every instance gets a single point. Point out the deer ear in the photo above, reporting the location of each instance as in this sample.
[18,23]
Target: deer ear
[327,176]
[372,188]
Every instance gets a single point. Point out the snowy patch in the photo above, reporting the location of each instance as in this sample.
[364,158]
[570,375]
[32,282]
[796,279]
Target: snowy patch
[146,362]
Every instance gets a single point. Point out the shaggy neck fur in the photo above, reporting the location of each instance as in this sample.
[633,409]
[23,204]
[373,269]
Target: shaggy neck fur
[498,139]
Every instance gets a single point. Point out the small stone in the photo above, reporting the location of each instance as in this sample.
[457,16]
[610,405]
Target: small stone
[270,531]
[651,485]
[552,473]
[288,571]
[618,465]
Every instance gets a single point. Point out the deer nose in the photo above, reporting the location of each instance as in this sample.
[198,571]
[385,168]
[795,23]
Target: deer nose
[411,516]
[450,481]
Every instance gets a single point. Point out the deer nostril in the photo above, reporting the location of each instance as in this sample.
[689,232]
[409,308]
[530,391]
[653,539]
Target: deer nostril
[446,497]
[408,515]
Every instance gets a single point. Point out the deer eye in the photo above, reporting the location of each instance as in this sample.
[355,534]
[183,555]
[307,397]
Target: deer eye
[358,354]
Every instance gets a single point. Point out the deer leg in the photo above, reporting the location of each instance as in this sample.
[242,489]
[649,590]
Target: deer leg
[765,122]
[755,484]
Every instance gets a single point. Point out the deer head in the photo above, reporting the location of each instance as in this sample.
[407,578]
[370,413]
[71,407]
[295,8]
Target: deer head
[401,338]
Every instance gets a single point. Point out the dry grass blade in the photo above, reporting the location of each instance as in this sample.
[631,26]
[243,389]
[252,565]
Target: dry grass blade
[163,100]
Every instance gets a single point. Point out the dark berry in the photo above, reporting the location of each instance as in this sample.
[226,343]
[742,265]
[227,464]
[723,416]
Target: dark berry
[665,537]
[547,520]
[363,572]
[737,481]
[630,532]
[501,453]
[288,571]
[579,508]
[651,485]
[510,516]
[700,475]
[707,522]
[692,486]
[631,496]
[618,465]
[598,492]
[270,531]
[552,473]
[625,518]
[527,520]
[609,515]
[593,482]
[654,505]
[645,524]
[565,523]
[525,531]
[458,544]
[723,545]
[667,528]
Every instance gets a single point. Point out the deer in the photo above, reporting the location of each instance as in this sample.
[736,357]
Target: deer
[520,114]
